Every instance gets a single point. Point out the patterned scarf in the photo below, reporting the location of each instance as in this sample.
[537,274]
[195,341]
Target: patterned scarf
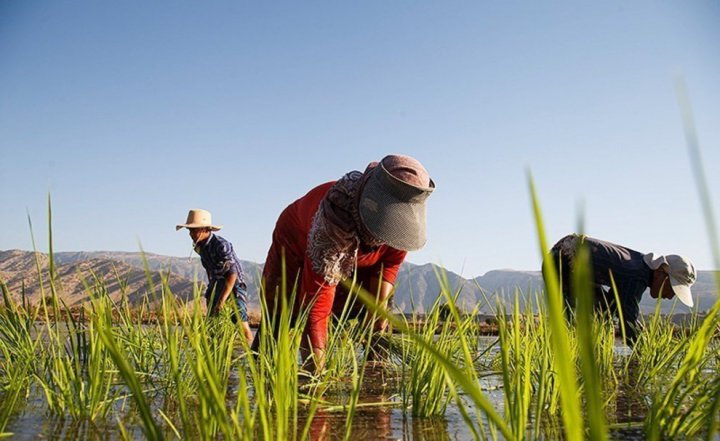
[337,232]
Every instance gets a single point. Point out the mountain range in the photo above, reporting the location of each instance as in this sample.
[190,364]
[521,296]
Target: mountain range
[417,286]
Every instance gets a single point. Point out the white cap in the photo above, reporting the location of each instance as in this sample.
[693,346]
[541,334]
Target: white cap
[680,271]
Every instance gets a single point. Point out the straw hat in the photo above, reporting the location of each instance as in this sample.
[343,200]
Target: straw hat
[198,218]
[680,271]
[392,203]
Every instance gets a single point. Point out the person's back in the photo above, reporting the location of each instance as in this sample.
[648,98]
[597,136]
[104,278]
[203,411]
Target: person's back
[630,271]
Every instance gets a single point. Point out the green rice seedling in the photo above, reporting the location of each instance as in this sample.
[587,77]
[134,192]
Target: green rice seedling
[587,343]
[423,387]
[691,137]
[357,380]
[525,363]
[16,377]
[467,364]
[658,351]
[150,427]
[141,343]
[461,378]
[424,384]
[344,354]
[523,340]
[343,337]
[591,341]
[682,407]
[275,370]
[17,354]
[516,352]
[686,407]
[563,363]
[213,359]
[547,397]
[80,387]
[674,369]
[76,374]
[73,366]
[200,356]
[180,383]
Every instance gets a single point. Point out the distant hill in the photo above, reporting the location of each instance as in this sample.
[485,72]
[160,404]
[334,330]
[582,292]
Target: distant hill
[18,269]
[417,286]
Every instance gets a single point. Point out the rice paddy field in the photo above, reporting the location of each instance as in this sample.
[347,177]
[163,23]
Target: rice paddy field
[168,372]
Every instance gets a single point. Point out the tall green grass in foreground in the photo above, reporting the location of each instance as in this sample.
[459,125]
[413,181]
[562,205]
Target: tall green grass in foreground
[674,412]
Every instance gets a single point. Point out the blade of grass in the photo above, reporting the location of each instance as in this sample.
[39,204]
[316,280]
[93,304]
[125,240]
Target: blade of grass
[150,427]
[563,363]
[696,163]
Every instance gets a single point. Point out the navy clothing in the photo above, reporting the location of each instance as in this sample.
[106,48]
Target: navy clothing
[219,260]
[631,274]
[240,302]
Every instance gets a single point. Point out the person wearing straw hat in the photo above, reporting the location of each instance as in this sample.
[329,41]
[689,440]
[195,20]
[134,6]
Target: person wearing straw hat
[225,275]
[362,225]
[632,273]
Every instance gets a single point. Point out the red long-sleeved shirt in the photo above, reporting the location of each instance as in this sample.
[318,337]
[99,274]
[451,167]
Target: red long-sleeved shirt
[291,235]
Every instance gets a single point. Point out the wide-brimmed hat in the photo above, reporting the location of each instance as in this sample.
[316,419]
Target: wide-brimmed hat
[392,203]
[198,218]
[680,271]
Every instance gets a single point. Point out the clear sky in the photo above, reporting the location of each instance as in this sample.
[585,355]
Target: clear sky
[130,113]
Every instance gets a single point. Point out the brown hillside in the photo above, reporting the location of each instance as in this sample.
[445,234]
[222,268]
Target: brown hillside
[18,271]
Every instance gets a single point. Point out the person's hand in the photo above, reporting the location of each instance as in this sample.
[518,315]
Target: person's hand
[380,325]
[218,308]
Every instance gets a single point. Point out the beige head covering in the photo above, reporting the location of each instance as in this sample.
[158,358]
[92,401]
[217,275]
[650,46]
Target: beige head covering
[198,218]
[680,271]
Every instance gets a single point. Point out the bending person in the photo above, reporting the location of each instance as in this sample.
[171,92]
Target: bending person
[225,275]
[633,272]
[364,223]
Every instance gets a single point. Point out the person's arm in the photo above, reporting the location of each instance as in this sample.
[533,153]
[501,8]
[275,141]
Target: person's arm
[391,262]
[317,295]
[227,259]
[381,296]
[388,268]
[230,280]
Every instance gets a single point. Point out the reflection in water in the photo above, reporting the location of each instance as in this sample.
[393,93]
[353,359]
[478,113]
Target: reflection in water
[374,419]
[432,429]
[369,421]
[629,403]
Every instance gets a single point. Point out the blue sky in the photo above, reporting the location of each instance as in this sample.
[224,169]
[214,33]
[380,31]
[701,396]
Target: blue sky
[130,113]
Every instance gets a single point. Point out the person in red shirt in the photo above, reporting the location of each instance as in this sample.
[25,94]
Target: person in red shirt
[364,223]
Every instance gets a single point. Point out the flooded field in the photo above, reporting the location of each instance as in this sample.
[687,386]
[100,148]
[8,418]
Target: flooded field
[378,413]
[167,371]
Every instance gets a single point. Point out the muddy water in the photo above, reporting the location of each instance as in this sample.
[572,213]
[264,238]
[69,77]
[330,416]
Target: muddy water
[31,419]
